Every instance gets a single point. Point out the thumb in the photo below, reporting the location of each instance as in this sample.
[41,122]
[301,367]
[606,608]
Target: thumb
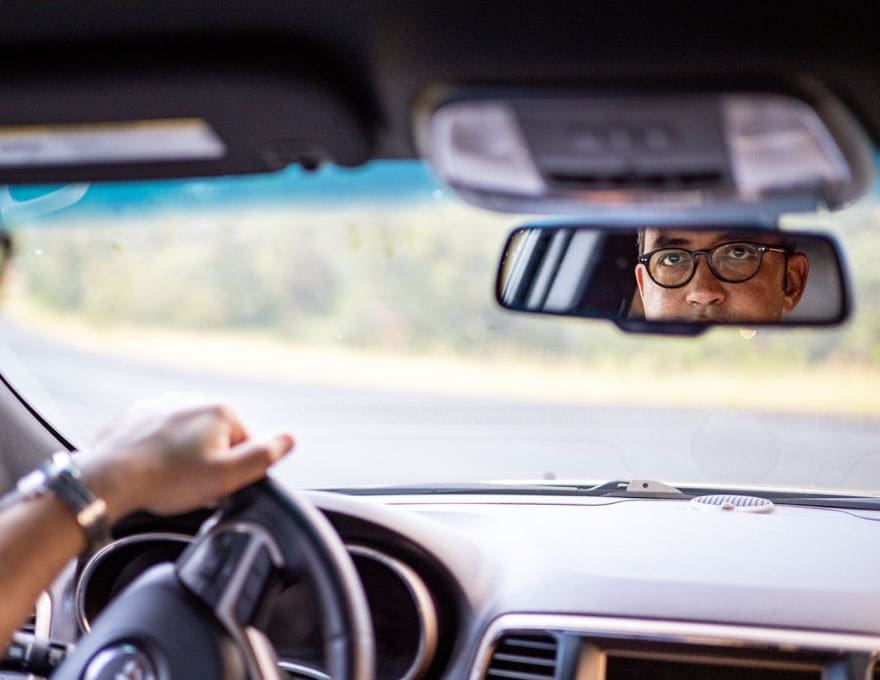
[249,461]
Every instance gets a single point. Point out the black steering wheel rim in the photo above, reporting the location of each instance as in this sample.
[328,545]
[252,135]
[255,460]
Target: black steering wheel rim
[200,615]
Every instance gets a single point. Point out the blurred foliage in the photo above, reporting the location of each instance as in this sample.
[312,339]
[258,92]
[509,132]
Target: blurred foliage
[415,279]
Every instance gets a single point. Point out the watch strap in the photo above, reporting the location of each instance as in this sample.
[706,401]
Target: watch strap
[62,477]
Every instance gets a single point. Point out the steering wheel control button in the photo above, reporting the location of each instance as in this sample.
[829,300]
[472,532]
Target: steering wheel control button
[253,588]
[120,662]
[214,564]
[224,551]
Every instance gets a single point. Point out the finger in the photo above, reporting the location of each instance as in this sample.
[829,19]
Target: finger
[218,419]
[249,462]
[237,431]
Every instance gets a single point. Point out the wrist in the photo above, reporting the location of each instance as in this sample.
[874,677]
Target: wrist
[62,478]
[113,481]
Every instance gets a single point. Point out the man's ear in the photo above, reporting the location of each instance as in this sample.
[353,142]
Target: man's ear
[640,273]
[796,270]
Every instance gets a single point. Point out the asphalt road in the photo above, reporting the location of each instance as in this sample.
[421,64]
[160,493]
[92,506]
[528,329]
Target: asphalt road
[356,436]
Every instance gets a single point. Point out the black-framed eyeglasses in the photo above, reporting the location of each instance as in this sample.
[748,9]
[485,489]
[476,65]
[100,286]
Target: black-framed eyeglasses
[733,262]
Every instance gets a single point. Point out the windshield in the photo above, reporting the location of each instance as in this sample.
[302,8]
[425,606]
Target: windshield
[355,308]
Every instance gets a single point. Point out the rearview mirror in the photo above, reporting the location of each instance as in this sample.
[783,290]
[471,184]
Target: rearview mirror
[675,279]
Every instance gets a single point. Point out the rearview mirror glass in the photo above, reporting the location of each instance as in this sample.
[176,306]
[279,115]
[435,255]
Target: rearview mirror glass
[678,280]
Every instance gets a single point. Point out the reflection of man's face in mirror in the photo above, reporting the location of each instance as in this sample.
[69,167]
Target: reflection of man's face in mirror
[753,275]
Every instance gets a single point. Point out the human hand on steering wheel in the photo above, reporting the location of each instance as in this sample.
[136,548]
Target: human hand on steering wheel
[168,458]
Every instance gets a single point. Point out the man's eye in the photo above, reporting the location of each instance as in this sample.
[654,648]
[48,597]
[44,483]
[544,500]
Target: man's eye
[673,259]
[739,252]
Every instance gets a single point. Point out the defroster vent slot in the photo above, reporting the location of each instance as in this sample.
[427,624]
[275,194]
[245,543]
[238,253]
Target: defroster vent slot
[524,657]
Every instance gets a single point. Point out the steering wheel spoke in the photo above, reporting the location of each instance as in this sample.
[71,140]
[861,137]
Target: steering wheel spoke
[231,568]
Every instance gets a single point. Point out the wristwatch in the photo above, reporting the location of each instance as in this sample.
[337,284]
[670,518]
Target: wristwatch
[62,477]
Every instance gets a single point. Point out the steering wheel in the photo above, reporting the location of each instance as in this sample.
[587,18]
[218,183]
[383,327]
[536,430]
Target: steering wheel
[200,617]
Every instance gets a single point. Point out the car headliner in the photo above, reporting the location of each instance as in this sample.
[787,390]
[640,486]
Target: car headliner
[385,54]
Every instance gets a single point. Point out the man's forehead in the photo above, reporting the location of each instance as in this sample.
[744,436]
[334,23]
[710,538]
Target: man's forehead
[689,238]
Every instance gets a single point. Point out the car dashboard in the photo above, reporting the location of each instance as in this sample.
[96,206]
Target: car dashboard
[531,587]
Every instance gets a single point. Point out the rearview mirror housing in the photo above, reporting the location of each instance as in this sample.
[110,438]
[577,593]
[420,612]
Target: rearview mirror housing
[728,275]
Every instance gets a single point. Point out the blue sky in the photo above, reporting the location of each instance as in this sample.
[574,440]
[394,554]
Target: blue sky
[392,180]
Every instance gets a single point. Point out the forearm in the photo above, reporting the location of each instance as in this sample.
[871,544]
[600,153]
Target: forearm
[38,536]
[161,461]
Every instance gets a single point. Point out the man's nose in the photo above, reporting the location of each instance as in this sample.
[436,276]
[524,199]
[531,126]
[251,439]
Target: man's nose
[704,288]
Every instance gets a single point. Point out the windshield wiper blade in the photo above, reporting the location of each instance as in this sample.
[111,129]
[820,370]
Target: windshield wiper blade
[825,501]
[652,489]
[635,488]
[452,488]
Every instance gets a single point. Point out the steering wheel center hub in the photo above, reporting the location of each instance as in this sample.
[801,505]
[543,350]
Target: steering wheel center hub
[124,661]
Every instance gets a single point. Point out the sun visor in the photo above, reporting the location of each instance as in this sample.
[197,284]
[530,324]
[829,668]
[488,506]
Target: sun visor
[113,115]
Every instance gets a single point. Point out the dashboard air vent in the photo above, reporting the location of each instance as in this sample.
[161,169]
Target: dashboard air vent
[523,657]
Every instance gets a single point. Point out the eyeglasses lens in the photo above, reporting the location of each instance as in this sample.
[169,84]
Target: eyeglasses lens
[733,262]
[736,261]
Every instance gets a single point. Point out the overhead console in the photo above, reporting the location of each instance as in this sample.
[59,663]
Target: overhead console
[670,152]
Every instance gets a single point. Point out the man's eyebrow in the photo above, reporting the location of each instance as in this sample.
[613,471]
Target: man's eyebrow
[740,236]
[663,241]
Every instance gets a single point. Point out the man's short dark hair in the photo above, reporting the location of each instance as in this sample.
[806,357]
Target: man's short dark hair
[788,243]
